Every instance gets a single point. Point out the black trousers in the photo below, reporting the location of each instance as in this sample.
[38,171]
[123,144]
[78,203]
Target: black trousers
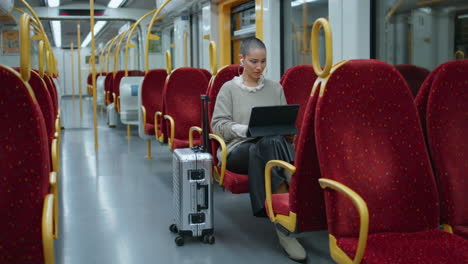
[251,157]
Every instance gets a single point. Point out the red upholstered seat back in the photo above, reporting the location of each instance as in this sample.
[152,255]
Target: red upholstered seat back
[224,74]
[24,171]
[45,102]
[447,131]
[414,76]
[108,86]
[206,73]
[152,93]
[369,138]
[53,92]
[305,194]
[297,84]
[182,99]
[89,79]
[423,94]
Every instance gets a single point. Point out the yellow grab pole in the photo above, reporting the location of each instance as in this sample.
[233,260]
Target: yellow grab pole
[93,62]
[72,70]
[151,36]
[185,49]
[128,44]
[79,69]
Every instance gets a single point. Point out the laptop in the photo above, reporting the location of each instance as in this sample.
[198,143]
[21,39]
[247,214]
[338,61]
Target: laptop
[273,120]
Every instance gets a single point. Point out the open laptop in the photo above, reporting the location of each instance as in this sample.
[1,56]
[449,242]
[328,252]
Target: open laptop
[273,120]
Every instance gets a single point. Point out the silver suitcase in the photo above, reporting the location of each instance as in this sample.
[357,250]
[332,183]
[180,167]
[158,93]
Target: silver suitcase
[192,195]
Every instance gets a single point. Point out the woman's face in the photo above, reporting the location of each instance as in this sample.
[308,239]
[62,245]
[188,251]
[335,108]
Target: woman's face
[254,63]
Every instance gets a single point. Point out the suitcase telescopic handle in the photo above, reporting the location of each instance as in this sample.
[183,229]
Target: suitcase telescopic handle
[205,190]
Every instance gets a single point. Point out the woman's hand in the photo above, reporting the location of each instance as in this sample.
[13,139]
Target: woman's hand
[240,130]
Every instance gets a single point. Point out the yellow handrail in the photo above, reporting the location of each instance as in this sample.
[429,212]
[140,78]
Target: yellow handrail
[25,44]
[127,44]
[117,49]
[93,63]
[148,34]
[213,58]
[168,62]
[319,23]
[54,70]
[41,58]
[459,53]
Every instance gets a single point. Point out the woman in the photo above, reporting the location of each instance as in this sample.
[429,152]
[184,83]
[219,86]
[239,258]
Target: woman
[250,155]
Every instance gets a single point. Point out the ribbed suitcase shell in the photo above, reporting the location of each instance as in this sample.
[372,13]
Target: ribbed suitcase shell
[192,192]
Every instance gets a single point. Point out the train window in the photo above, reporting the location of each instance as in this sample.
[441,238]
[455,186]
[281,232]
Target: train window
[298,17]
[422,33]
[242,26]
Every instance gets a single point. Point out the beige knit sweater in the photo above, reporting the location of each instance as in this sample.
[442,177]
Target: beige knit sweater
[233,106]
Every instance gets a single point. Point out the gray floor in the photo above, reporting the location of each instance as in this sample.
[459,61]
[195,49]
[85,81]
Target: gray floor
[116,206]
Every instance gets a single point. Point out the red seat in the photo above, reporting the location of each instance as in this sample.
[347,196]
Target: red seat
[447,134]
[89,83]
[25,167]
[414,76]
[109,99]
[423,95]
[152,99]
[206,73]
[183,104]
[235,183]
[44,100]
[305,203]
[394,247]
[53,92]
[369,139]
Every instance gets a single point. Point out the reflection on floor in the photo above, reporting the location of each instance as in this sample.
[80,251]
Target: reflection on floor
[116,206]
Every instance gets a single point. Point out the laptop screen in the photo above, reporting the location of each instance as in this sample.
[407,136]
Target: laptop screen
[273,120]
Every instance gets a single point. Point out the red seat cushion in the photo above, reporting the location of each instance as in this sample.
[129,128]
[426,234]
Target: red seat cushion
[414,76]
[280,203]
[178,143]
[149,129]
[236,183]
[430,246]
[461,231]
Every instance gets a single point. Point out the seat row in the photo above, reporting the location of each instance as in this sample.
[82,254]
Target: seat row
[361,138]
[29,149]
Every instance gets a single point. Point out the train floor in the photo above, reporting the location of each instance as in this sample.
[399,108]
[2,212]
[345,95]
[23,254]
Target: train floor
[116,206]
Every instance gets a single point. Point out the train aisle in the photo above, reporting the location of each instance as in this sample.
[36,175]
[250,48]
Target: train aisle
[116,206]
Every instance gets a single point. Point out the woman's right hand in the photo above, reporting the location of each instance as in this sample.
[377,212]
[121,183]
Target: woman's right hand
[240,130]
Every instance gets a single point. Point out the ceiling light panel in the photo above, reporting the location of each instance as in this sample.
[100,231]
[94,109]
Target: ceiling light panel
[115,3]
[97,27]
[53,3]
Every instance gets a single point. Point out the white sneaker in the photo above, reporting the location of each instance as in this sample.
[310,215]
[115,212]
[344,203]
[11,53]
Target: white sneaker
[292,247]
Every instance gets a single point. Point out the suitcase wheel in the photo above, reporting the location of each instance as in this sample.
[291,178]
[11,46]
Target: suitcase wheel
[173,228]
[209,239]
[179,241]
